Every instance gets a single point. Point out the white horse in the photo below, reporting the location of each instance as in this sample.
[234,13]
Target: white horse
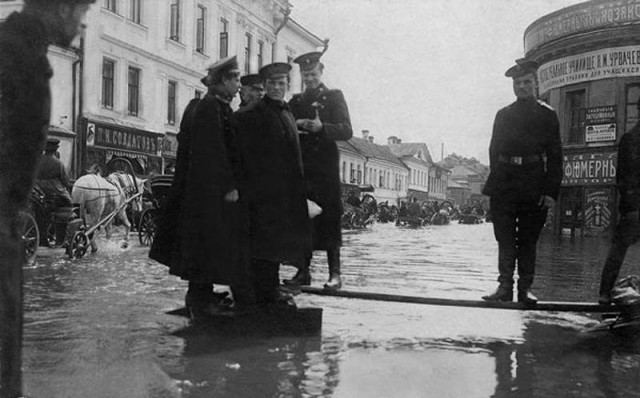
[98,197]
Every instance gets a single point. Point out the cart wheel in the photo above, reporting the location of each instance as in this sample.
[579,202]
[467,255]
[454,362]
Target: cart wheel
[147,227]
[30,237]
[78,245]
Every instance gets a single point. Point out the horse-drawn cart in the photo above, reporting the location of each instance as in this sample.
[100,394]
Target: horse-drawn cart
[159,187]
[101,200]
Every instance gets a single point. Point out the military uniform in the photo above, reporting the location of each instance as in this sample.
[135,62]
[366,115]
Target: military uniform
[275,187]
[628,228]
[321,163]
[202,237]
[526,164]
[320,157]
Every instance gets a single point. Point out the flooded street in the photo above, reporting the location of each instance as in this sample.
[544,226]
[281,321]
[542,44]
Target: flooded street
[97,327]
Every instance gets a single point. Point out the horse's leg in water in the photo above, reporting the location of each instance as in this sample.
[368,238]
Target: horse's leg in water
[122,214]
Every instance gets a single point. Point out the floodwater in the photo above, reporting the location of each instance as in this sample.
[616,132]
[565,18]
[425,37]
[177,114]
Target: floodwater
[97,327]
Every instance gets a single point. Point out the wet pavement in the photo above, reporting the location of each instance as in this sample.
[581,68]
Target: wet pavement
[97,327]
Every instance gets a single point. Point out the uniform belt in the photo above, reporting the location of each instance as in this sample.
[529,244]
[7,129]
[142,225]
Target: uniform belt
[519,160]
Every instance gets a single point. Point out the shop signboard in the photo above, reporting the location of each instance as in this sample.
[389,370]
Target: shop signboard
[600,124]
[106,141]
[594,166]
[580,18]
[597,215]
[606,63]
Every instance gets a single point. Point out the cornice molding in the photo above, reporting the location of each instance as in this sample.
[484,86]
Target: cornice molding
[154,57]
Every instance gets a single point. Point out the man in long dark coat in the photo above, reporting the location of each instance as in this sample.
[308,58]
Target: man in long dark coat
[25,104]
[322,117]
[279,223]
[211,243]
[525,156]
[628,228]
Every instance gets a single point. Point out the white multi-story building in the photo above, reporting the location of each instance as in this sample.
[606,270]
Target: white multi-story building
[122,91]
[370,165]
[416,156]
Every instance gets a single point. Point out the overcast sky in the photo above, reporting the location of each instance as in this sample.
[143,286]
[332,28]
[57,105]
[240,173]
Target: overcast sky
[424,70]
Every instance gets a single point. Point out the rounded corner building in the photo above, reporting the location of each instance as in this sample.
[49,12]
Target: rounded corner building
[589,72]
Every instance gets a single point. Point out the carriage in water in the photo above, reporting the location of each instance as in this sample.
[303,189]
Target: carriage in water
[98,201]
[153,200]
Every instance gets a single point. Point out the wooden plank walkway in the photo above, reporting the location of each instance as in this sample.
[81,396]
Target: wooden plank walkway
[560,306]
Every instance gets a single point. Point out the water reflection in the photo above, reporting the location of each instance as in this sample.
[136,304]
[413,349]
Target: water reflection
[98,327]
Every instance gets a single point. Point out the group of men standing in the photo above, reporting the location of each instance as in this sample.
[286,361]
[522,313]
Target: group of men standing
[238,207]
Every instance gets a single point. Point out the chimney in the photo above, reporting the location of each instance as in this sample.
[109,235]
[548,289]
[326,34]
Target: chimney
[370,137]
[365,134]
[393,140]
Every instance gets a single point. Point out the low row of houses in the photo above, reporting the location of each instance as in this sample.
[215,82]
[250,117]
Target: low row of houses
[401,171]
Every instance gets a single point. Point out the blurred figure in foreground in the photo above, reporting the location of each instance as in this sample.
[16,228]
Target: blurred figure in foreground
[25,106]
[628,229]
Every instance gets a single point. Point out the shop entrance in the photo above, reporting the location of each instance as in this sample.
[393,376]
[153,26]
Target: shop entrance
[571,212]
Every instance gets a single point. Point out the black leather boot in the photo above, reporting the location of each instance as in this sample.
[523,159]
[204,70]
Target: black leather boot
[335,281]
[301,278]
[502,293]
[525,296]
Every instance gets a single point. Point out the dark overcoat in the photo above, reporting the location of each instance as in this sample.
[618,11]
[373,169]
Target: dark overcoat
[53,180]
[320,157]
[525,128]
[628,171]
[212,234]
[25,103]
[279,221]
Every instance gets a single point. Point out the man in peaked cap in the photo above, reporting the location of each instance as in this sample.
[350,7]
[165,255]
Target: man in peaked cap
[525,156]
[276,190]
[203,234]
[252,88]
[25,106]
[322,117]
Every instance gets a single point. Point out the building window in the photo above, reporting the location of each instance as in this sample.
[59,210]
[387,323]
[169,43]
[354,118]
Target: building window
[344,171]
[576,113]
[352,174]
[134,91]
[110,5]
[108,73]
[260,54]
[200,34]
[174,33]
[631,108]
[198,94]
[224,38]
[171,102]
[247,53]
[135,10]
[359,175]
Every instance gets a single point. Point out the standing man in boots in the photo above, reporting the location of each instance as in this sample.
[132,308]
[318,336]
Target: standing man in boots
[25,106]
[322,117]
[525,157]
[210,220]
[628,229]
[276,189]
